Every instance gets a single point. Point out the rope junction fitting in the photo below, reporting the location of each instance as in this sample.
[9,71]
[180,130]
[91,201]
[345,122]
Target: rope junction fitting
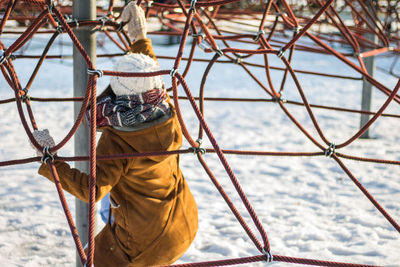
[219,52]
[59,29]
[76,23]
[281,52]
[200,34]
[50,7]
[297,29]
[25,97]
[193,6]
[3,58]
[238,60]
[121,26]
[173,72]
[103,21]
[268,255]
[281,97]
[330,150]
[259,33]
[198,149]
[47,155]
[97,72]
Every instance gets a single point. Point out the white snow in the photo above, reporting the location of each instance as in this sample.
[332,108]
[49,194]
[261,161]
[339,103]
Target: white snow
[308,206]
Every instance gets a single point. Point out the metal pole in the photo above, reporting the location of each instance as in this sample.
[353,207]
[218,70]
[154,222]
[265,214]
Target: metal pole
[82,9]
[366,97]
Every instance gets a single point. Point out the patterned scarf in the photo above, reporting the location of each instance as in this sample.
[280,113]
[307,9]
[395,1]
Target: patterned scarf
[131,110]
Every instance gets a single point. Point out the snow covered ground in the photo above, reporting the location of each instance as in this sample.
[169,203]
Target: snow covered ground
[308,206]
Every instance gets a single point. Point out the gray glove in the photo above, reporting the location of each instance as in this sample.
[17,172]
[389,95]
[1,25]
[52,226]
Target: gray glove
[44,139]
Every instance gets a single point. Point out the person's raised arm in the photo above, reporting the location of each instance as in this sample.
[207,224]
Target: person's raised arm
[134,18]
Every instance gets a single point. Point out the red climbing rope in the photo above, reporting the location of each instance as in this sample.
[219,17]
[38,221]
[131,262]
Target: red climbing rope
[196,21]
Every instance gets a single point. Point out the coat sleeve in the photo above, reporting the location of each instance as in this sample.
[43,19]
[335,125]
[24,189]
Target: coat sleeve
[108,173]
[143,46]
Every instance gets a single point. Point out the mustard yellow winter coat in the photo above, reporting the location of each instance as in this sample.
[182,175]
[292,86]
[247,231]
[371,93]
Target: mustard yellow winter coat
[156,218]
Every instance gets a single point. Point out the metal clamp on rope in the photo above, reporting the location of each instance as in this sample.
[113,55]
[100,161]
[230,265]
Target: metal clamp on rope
[25,96]
[238,60]
[46,155]
[103,21]
[3,58]
[330,150]
[200,34]
[297,29]
[193,6]
[268,255]
[95,72]
[259,33]
[121,26]
[76,23]
[173,72]
[149,3]
[198,149]
[50,7]
[280,98]
[219,52]
[59,28]
[70,20]
[281,53]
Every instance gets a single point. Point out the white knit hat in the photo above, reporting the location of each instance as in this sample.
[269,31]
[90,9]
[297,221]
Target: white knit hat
[135,85]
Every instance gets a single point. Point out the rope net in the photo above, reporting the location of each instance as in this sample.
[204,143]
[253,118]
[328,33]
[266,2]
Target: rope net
[273,28]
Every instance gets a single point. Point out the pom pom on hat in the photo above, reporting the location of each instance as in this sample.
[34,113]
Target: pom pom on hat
[135,85]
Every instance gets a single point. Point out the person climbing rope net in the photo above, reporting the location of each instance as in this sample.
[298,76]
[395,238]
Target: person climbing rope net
[154,213]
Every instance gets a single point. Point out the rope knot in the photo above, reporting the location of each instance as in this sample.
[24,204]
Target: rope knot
[330,150]
[47,155]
